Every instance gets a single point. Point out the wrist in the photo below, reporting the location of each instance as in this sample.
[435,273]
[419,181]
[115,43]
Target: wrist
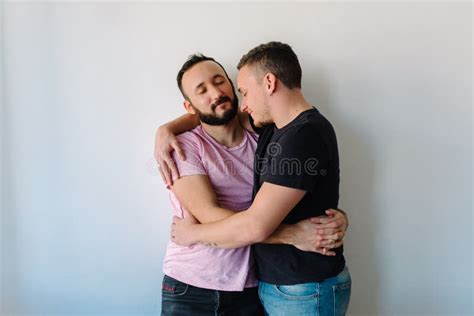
[289,235]
[194,232]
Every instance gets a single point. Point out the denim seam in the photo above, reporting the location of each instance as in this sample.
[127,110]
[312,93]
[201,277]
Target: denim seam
[163,292]
[217,303]
[279,292]
[336,287]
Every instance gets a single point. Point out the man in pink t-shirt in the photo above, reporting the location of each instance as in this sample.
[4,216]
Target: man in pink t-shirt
[202,279]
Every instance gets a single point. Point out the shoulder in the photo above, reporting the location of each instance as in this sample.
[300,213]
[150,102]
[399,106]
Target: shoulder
[311,124]
[191,141]
[194,136]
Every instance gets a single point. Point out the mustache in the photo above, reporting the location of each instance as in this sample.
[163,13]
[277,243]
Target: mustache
[219,101]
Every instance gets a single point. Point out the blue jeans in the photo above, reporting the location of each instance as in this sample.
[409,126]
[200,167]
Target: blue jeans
[181,299]
[328,297]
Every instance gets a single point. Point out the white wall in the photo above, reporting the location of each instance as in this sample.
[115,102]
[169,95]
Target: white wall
[86,218]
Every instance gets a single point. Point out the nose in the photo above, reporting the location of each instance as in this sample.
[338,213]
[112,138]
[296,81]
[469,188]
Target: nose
[244,107]
[216,93]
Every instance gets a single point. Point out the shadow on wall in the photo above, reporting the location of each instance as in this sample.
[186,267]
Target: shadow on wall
[357,189]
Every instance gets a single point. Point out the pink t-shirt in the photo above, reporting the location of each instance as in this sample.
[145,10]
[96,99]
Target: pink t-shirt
[230,171]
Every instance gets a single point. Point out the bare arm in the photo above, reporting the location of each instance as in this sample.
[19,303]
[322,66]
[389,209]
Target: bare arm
[204,206]
[245,121]
[196,195]
[165,142]
[270,207]
[181,124]
[316,234]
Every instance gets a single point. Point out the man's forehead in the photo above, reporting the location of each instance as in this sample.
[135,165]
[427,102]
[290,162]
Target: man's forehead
[200,72]
[243,74]
[205,68]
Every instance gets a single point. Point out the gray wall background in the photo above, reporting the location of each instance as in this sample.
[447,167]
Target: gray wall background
[85,218]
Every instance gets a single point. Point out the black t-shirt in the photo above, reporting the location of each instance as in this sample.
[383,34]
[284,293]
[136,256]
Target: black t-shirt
[301,155]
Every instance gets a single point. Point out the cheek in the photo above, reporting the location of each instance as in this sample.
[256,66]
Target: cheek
[205,100]
[229,91]
[256,101]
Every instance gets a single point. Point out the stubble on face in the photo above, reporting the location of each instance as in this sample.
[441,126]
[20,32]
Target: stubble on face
[216,120]
[251,81]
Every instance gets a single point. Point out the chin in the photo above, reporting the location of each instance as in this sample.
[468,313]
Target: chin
[257,123]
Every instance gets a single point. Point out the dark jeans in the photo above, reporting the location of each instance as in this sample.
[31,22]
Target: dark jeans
[179,298]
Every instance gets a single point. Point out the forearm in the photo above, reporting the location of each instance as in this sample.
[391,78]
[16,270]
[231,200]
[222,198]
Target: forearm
[234,232]
[243,228]
[212,215]
[181,124]
[245,122]
[282,235]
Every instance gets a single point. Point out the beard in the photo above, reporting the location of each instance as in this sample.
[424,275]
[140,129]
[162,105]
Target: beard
[226,117]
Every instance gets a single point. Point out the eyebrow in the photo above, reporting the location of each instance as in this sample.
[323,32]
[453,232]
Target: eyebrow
[202,83]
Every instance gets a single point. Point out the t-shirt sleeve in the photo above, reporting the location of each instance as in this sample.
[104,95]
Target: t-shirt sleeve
[191,148]
[298,159]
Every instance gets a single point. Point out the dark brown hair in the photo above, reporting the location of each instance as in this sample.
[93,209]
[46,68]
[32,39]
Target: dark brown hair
[276,58]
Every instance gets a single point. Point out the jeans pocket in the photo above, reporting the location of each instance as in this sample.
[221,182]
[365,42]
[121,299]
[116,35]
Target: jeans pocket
[172,287]
[304,291]
[342,296]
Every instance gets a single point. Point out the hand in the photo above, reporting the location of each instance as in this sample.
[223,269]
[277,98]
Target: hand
[182,230]
[307,238]
[332,226]
[165,143]
[331,229]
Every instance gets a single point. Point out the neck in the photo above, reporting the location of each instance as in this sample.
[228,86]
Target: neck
[287,106]
[229,135]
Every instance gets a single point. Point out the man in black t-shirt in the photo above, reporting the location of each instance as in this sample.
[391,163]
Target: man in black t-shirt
[296,177]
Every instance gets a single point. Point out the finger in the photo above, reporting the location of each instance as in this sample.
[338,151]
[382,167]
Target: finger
[336,245]
[326,252]
[334,223]
[174,174]
[178,150]
[330,239]
[332,246]
[336,211]
[333,212]
[324,232]
[336,236]
[162,175]
[331,225]
[166,173]
[339,235]
[175,219]
[325,243]
[329,244]
[157,154]
[321,220]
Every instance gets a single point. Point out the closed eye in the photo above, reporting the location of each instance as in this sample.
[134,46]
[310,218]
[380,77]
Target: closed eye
[219,80]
